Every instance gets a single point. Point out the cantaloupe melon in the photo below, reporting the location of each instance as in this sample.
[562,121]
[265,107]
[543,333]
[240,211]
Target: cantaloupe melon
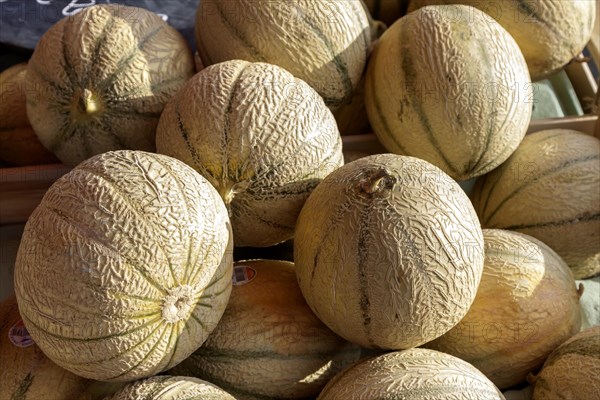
[19,144]
[572,370]
[549,189]
[411,374]
[171,388]
[269,344]
[125,266]
[549,33]
[526,305]
[324,43]
[263,139]
[389,252]
[25,372]
[454,92]
[98,80]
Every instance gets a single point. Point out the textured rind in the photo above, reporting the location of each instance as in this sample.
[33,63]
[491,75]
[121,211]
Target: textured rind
[572,370]
[334,38]
[393,269]
[269,343]
[526,305]
[171,388]
[461,93]
[411,374]
[19,144]
[101,253]
[549,189]
[263,139]
[549,33]
[128,57]
[26,373]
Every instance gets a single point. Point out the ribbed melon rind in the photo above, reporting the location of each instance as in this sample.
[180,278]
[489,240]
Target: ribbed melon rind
[393,269]
[411,374]
[461,95]
[105,252]
[263,138]
[549,189]
[269,344]
[130,62]
[571,371]
[171,388]
[526,305]
[550,33]
[335,38]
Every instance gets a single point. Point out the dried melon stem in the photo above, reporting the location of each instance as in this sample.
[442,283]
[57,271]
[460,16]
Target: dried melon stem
[86,103]
[375,181]
[230,190]
[178,304]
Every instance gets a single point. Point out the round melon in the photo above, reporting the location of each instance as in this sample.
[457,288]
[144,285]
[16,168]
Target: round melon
[324,43]
[19,144]
[269,344]
[454,92]
[572,370]
[411,374]
[263,139]
[171,388]
[26,373]
[389,252]
[549,189]
[98,80]
[125,266]
[526,305]
[550,33]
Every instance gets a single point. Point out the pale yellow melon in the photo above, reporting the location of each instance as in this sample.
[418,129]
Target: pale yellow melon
[324,43]
[19,144]
[572,370]
[269,344]
[549,189]
[263,139]
[25,372]
[549,32]
[171,388]
[389,252]
[526,305]
[455,92]
[125,266]
[98,80]
[411,374]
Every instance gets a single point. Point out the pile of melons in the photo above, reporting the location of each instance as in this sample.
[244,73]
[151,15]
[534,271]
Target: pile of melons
[129,280]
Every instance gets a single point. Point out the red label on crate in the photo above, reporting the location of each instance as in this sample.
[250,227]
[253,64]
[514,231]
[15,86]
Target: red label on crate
[242,274]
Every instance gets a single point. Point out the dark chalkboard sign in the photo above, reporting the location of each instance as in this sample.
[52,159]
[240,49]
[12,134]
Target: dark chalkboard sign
[23,22]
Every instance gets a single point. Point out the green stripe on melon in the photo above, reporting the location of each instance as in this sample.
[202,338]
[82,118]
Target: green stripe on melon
[464,117]
[269,344]
[98,80]
[335,38]
[134,252]
[263,138]
[549,33]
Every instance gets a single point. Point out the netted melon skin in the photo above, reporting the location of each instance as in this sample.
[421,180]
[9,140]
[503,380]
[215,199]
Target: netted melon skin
[125,266]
